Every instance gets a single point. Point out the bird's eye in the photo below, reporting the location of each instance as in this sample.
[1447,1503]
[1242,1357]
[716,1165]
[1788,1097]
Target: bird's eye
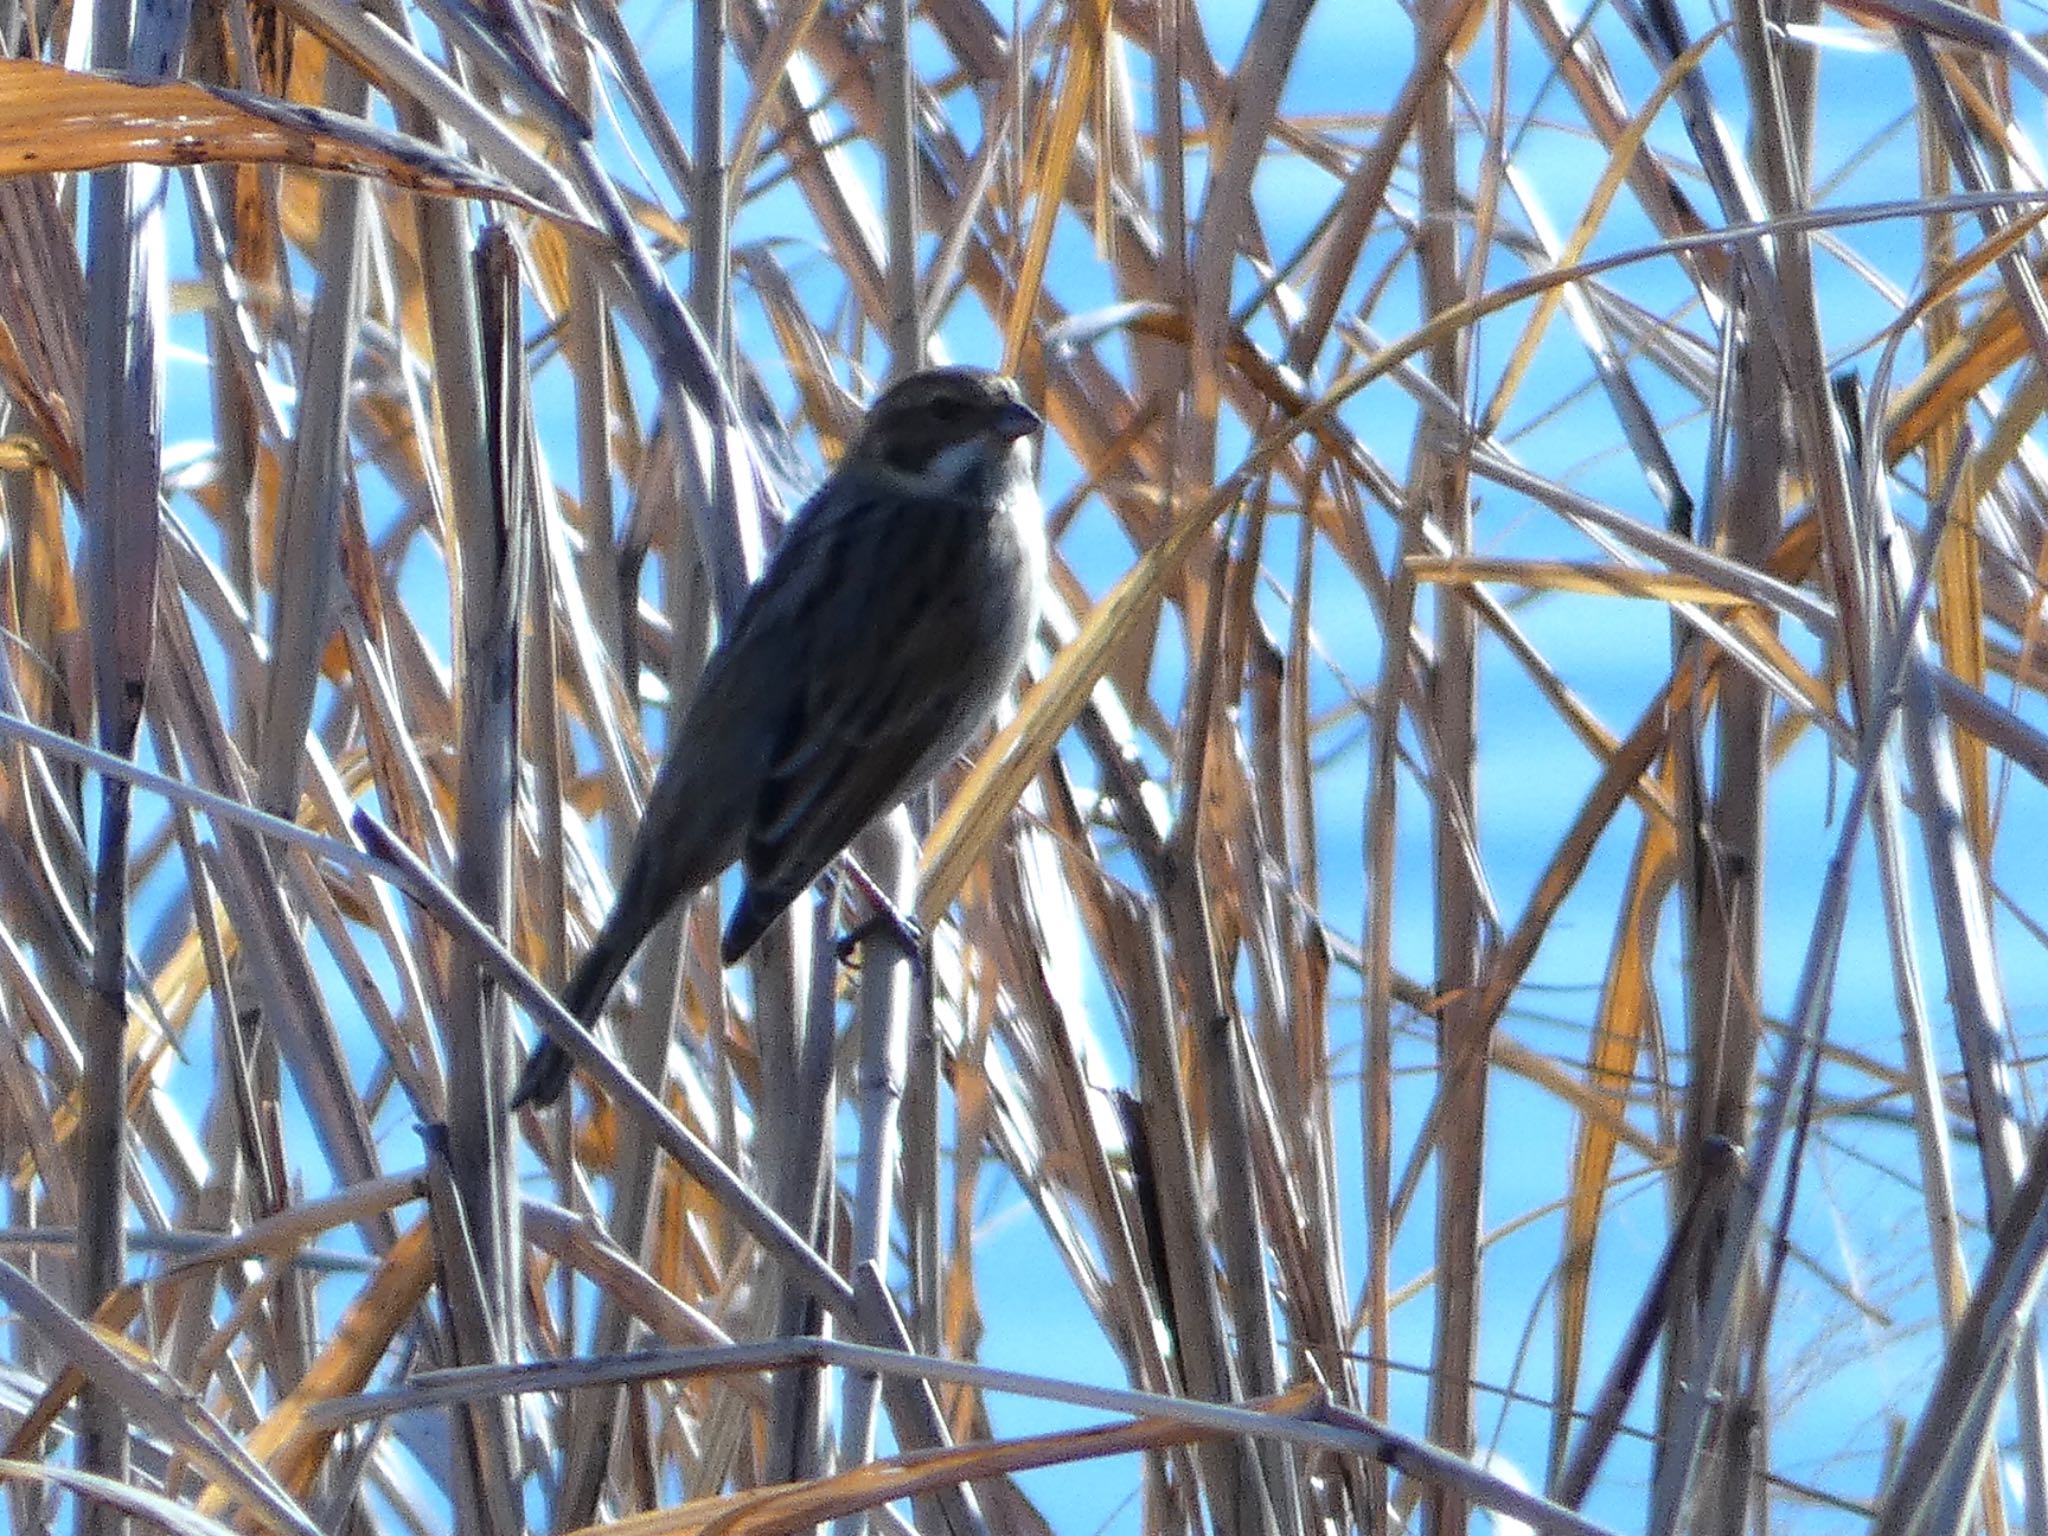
[947,409]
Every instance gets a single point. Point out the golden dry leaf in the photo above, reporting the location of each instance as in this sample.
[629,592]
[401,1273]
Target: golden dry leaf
[1573,576]
[294,1449]
[787,1507]
[55,119]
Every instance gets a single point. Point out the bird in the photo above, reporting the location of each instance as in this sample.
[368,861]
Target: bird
[886,627]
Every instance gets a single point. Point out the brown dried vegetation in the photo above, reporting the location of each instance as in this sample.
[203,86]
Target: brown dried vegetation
[1496,457]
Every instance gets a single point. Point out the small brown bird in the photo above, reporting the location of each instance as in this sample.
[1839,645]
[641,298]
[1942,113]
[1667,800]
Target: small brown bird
[879,639]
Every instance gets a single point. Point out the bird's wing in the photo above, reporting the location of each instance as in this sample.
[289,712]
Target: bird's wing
[881,688]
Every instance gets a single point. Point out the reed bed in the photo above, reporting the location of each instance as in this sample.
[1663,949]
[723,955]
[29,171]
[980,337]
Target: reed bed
[1490,973]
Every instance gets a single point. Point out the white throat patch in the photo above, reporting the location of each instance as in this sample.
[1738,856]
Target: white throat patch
[958,466]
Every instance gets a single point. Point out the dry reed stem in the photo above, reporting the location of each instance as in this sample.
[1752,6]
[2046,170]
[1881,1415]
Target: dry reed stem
[1480,706]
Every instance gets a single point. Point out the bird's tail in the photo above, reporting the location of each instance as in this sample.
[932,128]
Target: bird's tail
[686,839]
[756,913]
[547,1070]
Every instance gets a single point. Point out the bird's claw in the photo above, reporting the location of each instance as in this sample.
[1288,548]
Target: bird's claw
[886,923]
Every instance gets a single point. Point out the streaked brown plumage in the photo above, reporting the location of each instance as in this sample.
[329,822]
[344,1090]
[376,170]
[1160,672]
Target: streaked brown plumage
[879,639]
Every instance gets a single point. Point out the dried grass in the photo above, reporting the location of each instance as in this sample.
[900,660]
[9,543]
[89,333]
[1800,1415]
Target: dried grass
[1495,459]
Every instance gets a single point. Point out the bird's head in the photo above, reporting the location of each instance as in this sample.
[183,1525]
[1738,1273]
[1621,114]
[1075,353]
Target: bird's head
[957,431]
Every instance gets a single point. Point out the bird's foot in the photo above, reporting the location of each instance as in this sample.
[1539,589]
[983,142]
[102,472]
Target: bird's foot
[884,922]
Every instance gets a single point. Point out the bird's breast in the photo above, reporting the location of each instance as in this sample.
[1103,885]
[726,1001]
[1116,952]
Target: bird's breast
[1019,548]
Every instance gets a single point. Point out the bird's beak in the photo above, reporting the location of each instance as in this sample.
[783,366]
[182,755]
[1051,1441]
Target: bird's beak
[1015,420]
